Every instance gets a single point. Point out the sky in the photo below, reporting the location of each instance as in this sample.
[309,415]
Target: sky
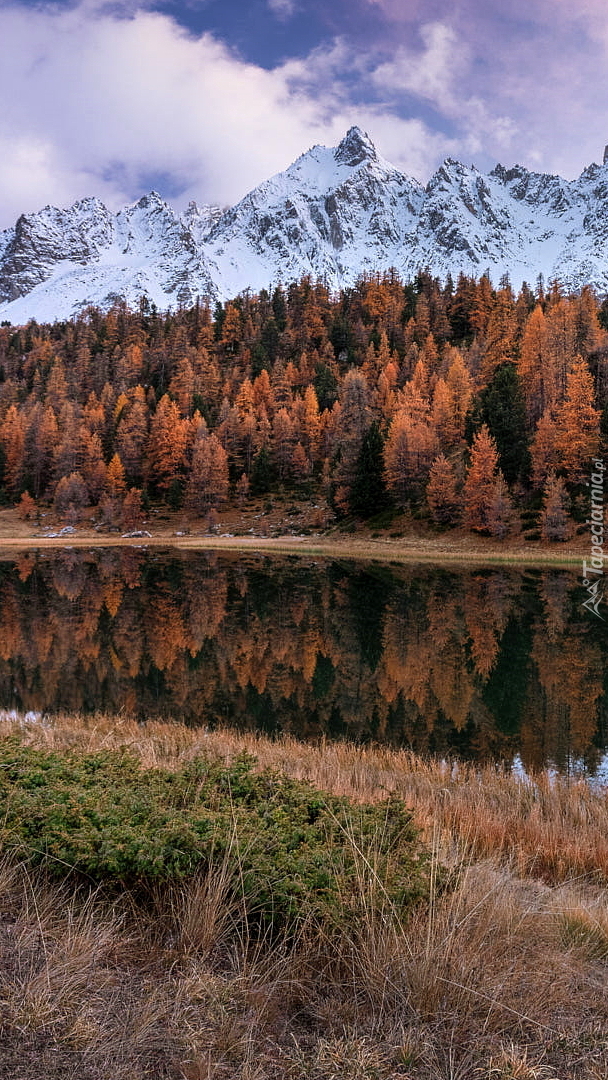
[204,99]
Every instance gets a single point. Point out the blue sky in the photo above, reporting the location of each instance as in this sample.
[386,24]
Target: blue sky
[206,98]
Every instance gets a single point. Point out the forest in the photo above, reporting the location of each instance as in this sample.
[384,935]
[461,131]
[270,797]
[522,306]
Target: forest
[458,403]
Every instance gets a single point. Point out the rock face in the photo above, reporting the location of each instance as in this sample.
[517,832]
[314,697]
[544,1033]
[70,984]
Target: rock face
[334,214]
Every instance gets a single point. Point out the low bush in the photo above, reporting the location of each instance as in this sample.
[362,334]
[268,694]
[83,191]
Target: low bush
[294,851]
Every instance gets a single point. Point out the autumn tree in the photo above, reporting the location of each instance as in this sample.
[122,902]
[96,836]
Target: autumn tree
[71,497]
[578,424]
[41,443]
[555,521]
[167,445]
[460,388]
[544,449]
[115,477]
[536,369]
[131,436]
[500,336]
[354,420]
[410,448]
[208,480]
[501,517]
[12,438]
[479,490]
[132,510]
[242,489]
[442,492]
[26,507]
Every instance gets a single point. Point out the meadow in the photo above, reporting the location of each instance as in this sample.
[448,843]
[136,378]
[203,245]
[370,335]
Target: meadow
[469,941]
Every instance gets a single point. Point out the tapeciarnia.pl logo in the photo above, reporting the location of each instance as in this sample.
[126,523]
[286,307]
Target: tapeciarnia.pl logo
[593,571]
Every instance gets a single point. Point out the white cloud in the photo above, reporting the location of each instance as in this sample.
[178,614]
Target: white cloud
[430,73]
[95,102]
[102,100]
[283,9]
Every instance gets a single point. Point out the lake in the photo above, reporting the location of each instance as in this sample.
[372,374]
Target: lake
[489,664]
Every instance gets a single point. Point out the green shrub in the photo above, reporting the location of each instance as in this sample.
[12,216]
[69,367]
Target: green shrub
[295,851]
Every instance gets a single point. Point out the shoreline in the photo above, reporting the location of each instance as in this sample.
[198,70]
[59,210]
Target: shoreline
[402,550]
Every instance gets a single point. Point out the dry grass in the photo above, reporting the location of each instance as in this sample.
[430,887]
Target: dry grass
[550,828]
[502,977]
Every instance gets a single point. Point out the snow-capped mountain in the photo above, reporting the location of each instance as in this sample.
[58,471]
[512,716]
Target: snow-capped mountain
[334,214]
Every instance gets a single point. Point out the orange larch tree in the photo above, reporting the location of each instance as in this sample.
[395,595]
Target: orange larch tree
[578,424]
[479,490]
[410,448]
[442,492]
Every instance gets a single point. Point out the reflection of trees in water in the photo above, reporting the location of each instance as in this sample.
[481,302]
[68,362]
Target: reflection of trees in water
[485,664]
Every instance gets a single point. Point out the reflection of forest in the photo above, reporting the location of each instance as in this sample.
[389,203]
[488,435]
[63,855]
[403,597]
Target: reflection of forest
[487,664]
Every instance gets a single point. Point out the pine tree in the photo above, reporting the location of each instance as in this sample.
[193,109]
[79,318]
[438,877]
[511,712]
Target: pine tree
[368,494]
[263,473]
[502,408]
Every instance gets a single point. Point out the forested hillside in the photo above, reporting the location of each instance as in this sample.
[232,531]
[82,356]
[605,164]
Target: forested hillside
[459,402]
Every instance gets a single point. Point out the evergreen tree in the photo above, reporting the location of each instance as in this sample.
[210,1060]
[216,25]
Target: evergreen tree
[263,473]
[502,407]
[368,495]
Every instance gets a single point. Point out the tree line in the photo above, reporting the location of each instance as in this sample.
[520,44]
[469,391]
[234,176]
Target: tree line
[461,402]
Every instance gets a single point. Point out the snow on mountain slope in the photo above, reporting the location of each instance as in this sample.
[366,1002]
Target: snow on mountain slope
[333,214]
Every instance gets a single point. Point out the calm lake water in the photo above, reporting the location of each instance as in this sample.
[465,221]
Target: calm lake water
[492,664]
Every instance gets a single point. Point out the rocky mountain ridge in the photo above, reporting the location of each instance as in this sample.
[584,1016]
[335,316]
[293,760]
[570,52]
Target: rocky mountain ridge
[334,214]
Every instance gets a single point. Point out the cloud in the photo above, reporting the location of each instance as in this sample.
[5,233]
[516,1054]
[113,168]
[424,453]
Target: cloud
[95,101]
[283,9]
[108,99]
[530,78]
[430,73]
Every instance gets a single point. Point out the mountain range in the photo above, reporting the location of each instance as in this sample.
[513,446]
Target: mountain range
[334,214]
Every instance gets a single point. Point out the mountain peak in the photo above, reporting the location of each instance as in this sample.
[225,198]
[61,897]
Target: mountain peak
[356,146]
[336,213]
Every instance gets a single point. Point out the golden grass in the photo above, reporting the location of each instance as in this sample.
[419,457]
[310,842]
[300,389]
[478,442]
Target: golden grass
[501,977]
[550,828]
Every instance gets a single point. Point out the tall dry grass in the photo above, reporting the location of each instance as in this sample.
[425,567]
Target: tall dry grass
[548,827]
[501,977]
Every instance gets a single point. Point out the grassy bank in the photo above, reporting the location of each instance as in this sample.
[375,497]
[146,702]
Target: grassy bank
[498,973]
